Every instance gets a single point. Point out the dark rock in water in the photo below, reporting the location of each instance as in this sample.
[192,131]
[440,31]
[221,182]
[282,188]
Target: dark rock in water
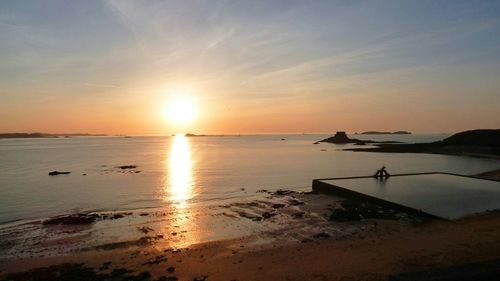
[73,219]
[127,167]
[55,173]
[171,269]
[342,138]
[117,216]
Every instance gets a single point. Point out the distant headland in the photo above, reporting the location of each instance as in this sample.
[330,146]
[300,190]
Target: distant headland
[45,135]
[481,143]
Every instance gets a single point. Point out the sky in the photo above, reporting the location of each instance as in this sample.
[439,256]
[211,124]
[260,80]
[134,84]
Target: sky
[249,66]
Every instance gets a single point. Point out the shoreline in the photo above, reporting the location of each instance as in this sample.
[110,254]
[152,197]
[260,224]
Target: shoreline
[259,239]
[374,254]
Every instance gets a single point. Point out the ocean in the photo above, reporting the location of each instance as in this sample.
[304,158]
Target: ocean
[190,171]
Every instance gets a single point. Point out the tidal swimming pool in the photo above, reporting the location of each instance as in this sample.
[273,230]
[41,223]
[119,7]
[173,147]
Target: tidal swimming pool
[444,195]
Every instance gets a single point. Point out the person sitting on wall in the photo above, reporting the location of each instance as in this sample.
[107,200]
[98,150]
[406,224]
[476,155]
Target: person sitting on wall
[381,173]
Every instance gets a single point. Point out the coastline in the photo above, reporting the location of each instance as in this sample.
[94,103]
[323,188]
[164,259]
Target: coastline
[373,254]
[294,232]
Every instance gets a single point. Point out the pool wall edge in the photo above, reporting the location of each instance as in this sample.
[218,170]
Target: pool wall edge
[318,185]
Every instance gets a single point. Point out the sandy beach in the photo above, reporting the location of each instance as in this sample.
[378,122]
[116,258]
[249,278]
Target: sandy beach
[370,255]
[370,249]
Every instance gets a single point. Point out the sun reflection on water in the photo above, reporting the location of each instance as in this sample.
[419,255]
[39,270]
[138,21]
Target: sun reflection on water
[180,172]
[178,191]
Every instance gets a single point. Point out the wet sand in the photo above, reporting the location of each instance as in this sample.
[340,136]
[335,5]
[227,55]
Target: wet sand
[373,254]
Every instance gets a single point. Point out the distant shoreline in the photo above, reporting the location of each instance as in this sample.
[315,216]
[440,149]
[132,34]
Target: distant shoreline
[45,135]
[483,143]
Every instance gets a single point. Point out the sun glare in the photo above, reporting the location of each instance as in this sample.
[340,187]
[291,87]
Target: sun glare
[180,110]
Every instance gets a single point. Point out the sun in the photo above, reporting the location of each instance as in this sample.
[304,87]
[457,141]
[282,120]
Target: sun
[180,110]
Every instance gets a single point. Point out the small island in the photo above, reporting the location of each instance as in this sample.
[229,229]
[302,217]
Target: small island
[384,133]
[341,137]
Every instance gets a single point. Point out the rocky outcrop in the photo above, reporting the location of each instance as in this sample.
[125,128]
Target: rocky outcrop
[341,137]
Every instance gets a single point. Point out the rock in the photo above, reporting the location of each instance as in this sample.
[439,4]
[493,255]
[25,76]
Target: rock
[283,192]
[55,173]
[268,215]
[358,210]
[117,216]
[342,138]
[201,278]
[171,269]
[322,235]
[298,215]
[341,215]
[73,219]
[156,260]
[127,167]
[144,229]
[295,202]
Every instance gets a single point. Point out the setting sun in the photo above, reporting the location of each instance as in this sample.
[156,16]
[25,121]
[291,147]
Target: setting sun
[180,110]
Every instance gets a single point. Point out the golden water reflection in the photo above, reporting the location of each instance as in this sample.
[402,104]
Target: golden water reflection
[179,189]
[180,171]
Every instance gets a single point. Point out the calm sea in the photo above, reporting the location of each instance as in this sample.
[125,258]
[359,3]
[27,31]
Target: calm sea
[182,170]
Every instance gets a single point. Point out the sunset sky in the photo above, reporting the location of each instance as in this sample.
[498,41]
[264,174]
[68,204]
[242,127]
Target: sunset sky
[249,66]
